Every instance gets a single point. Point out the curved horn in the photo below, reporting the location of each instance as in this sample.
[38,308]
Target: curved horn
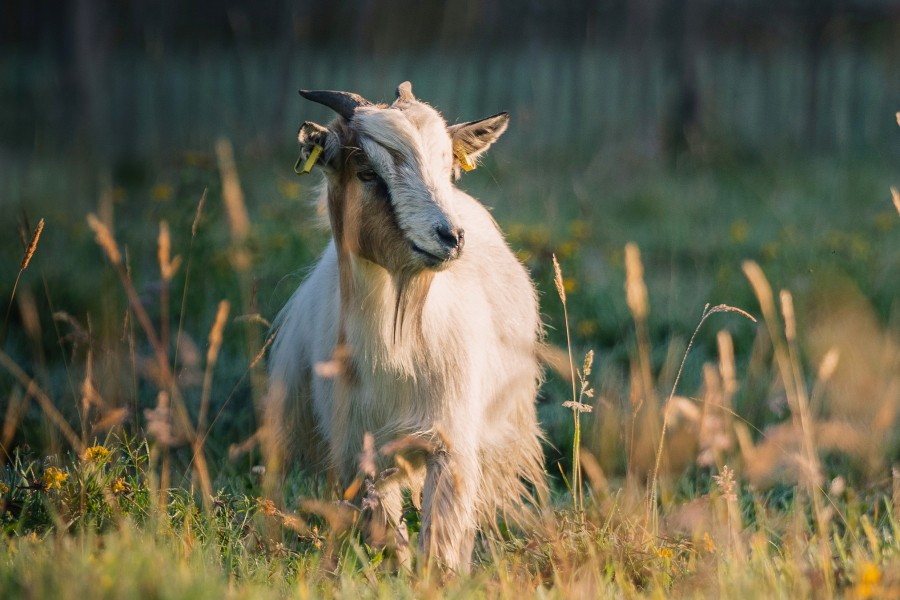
[343,103]
[404,92]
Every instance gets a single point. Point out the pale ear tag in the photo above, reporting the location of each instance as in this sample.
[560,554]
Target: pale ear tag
[464,161]
[308,165]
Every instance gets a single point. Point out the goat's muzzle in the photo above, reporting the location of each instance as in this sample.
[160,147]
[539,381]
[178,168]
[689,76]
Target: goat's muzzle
[448,247]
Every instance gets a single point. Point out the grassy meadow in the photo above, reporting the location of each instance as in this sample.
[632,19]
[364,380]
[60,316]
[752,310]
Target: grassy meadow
[733,320]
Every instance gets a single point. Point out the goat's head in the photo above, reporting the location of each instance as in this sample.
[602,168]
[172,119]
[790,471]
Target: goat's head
[391,172]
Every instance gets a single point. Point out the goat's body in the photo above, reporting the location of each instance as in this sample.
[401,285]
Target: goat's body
[468,377]
[399,334]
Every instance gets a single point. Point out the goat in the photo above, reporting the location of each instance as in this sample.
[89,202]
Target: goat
[417,323]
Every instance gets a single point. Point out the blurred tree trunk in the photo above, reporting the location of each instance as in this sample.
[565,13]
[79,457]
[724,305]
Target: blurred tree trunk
[89,66]
[682,113]
[814,21]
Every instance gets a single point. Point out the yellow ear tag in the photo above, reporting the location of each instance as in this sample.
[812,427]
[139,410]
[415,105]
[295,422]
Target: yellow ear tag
[308,165]
[464,161]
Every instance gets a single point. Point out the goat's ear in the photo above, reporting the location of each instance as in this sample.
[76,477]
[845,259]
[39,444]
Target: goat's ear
[471,140]
[312,135]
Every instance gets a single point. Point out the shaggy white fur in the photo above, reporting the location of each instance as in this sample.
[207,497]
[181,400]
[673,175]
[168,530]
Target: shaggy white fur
[401,334]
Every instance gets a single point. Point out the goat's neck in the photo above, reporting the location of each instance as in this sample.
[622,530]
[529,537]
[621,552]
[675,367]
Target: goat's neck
[387,307]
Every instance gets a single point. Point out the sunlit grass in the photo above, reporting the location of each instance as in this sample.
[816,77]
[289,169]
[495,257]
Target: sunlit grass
[770,469]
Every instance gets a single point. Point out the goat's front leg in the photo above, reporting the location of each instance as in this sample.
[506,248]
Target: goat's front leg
[448,508]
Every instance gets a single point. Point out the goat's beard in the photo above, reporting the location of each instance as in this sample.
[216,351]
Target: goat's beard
[412,291]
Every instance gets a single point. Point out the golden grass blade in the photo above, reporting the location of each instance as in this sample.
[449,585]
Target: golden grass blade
[635,288]
[34,390]
[212,356]
[26,259]
[105,239]
[235,208]
[32,246]
[652,496]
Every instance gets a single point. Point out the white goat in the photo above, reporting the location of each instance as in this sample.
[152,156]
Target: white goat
[416,324]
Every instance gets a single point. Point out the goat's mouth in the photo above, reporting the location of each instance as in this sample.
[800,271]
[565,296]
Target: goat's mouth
[432,260]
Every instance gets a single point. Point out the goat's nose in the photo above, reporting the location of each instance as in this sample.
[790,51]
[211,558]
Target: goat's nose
[453,238]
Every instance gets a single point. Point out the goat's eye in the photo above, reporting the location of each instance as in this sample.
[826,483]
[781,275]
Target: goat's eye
[367,175]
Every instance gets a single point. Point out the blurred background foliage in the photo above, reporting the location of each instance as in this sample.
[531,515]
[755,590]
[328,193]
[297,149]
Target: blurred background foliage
[706,131]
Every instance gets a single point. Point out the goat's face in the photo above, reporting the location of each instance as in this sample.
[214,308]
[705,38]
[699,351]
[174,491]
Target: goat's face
[391,172]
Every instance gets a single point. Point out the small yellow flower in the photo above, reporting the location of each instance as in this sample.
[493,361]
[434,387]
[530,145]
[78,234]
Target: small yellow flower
[289,189]
[867,581]
[738,231]
[708,544]
[3,488]
[570,285]
[665,553]
[54,478]
[771,250]
[566,249]
[97,454]
[587,328]
[162,192]
[580,230]
[118,485]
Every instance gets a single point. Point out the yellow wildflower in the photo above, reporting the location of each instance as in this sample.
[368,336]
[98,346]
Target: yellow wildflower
[3,488]
[587,328]
[54,478]
[118,485]
[665,553]
[738,231]
[97,454]
[868,580]
[162,192]
[580,229]
[289,189]
[566,249]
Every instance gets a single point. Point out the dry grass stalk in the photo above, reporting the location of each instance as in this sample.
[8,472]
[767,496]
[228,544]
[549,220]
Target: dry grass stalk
[15,410]
[895,194]
[168,266]
[644,397]
[108,243]
[212,356]
[28,313]
[32,245]
[788,362]
[575,404]
[727,370]
[26,259]
[635,288]
[167,269]
[235,208]
[105,239]
[829,364]
[196,224]
[895,489]
[32,389]
[256,318]
[652,496]
[187,277]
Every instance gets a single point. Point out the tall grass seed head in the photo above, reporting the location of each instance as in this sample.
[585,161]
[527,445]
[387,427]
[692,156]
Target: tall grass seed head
[558,280]
[635,288]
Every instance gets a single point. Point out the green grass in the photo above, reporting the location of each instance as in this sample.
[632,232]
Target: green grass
[795,523]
